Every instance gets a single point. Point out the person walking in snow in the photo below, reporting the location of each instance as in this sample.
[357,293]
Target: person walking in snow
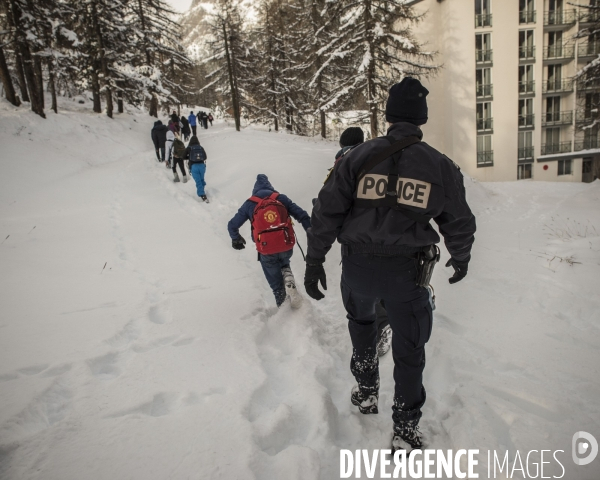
[196,156]
[203,117]
[185,128]
[192,121]
[175,120]
[178,156]
[159,138]
[210,118]
[273,234]
[169,144]
[378,202]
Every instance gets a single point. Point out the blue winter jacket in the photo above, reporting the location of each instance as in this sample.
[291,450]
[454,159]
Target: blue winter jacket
[262,189]
[192,120]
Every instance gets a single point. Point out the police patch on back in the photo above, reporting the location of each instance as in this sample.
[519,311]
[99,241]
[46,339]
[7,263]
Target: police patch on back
[411,192]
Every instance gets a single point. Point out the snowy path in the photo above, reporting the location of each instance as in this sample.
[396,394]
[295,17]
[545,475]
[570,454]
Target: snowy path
[172,361]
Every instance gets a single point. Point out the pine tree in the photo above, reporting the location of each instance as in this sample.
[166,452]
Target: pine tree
[231,61]
[375,38]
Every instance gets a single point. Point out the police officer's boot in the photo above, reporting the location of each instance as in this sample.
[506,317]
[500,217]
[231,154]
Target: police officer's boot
[290,287]
[407,436]
[366,400]
[406,426]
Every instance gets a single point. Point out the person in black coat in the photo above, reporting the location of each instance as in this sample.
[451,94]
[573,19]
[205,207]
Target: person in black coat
[185,128]
[385,233]
[159,138]
[203,117]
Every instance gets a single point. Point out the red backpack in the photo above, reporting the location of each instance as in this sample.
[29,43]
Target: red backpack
[272,226]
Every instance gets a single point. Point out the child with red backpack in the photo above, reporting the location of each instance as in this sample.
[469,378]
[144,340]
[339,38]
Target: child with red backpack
[273,234]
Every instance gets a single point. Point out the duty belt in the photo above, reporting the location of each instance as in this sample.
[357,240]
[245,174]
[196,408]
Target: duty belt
[382,250]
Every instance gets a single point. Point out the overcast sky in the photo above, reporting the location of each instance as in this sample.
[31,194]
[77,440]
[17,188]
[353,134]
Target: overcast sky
[180,5]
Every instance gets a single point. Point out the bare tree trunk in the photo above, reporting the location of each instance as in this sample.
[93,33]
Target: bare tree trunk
[39,79]
[232,83]
[96,89]
[323,125]
[120,101]
[52,86]
[9,90]
[102,60]
[371,93]
[21,77]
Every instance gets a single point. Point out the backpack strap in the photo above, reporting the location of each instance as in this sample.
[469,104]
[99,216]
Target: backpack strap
[274,195]
[388,152]
[255,199]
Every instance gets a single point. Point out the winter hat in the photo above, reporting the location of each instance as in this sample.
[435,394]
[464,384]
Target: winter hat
[407,102]
[352,136]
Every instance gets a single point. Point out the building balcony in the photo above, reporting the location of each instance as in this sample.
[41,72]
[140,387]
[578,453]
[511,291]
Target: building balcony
[554,148]
[483,57]
[484,20]
[526,121]
[558,86]
[587,144]
[485,91]
[485,158]
[587,15]
[584,116]
[588,50]
[589,85]
[559,19]
[559,52]
[527,53]
[485,125]
[525,154]
[555,119]
[527,88]
[527,16]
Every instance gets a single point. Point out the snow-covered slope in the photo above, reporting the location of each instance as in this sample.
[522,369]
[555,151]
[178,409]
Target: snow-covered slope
[136,343]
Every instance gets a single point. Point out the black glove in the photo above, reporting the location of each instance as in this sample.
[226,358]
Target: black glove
[460,269]
[238,243]
[314,274]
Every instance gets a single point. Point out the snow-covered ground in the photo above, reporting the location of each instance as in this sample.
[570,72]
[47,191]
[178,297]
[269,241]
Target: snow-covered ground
[135,343]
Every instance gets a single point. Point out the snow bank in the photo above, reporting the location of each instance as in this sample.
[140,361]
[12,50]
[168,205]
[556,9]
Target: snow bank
[136,343]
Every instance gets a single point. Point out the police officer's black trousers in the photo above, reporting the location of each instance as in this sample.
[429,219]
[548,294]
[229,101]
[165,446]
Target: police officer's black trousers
[367,279]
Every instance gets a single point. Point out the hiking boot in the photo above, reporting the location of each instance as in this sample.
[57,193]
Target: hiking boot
[407,437]
[185,179]
[365,401]
[205,198]
[290,287]
[175,177]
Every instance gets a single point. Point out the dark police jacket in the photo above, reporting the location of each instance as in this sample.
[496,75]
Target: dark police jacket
[429,184]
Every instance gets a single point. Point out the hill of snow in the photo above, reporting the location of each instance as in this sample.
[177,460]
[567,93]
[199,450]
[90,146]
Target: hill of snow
[136,343]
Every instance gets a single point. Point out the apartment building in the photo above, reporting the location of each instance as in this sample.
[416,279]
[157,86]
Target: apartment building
[505,105]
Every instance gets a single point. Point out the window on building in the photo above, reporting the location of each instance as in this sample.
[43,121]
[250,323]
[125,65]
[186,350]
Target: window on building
[555,5]
[526,84]
[526,112]
[482,7]
[483,80]
[590,137]
[552,109]
[552,137]
[526,44]
[485,154]
[524,171]
[525,145]
[554,77]
[565,167]
[484,116]
[483,41]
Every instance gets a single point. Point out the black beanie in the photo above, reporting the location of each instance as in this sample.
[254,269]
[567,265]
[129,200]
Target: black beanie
[352,136]
[407,102]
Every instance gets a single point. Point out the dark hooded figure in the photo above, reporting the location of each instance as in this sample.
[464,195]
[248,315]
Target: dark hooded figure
[196,156]
[159,137]
[276,267]
[185,128]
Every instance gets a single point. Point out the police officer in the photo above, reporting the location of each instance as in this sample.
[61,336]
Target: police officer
[378,203]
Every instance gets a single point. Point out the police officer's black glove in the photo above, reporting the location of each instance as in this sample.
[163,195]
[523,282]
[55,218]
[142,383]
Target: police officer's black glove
[238,243]
[314,274]
[460,269]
